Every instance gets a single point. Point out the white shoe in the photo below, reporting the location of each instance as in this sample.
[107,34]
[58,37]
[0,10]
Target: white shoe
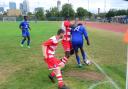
[88,62]
[21,45]
[29,47]
[80,65]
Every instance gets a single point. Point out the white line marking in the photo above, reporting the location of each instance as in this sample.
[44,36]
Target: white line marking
[99,83]
[102,71]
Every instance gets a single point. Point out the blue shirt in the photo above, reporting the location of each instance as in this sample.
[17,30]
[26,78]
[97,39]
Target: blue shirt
[77,34]
[24,25]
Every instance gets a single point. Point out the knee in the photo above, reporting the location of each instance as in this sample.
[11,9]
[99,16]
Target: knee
[24,38]
[67,54]
[28,38]
[72,52]
[62,65]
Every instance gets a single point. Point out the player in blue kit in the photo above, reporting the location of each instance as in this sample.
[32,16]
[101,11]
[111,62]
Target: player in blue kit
[24,26]
[77,32]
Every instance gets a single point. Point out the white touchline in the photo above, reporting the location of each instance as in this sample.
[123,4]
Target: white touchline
[99,83]
[102,71]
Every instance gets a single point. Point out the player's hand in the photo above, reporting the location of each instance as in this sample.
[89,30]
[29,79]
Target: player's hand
[88,43]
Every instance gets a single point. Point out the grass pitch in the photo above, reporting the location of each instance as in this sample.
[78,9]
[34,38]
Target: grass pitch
[23,68]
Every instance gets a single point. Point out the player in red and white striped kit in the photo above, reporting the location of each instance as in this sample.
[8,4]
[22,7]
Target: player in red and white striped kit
[66,42]
[53,63]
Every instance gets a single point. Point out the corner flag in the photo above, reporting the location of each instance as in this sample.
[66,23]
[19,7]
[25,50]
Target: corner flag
[126,37]
[126,41]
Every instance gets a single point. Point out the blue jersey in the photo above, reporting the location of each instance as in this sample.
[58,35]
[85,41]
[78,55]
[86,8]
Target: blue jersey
[25,28]
[24,25]
[77,34]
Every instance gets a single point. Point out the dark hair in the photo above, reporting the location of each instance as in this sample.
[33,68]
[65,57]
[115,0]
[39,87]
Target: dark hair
[60,31]
[25,17]
[66,18]
[80,24]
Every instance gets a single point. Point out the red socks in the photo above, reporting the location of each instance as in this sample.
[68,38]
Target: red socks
[52,74]
[64,60]
[60,80]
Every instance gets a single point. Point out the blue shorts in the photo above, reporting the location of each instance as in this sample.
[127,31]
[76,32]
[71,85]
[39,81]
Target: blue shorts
[25,33]
[77,45]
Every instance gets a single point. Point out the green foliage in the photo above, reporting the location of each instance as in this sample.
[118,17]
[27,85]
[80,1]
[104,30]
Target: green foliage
[39,13]
[81,12]
[53,12]
[114,12]
[67,10]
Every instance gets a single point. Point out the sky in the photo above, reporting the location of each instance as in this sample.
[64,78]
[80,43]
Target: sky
[92,6]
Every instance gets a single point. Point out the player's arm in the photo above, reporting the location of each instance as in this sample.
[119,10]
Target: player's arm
[44,49]
[29,27]
[86,35]
[20,26]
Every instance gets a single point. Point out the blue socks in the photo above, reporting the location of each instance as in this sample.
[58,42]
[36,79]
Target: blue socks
[84,56]
[28,42]
[22,42]
[78,59]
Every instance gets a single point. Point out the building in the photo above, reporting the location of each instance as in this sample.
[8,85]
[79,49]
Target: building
[21,8]
[13,12]
[1,9]
[98,10]
[25,7]
[12,5]
[59,5]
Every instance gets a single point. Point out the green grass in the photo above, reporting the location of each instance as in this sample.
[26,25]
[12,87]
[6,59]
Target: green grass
[23,68]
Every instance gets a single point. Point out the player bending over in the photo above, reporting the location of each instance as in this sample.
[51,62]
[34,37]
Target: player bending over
[77,33]
[53,63]
[66,42]
[24,26]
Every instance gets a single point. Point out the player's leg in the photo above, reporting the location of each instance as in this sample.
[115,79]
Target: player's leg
[28,41]
[67,48]
[72,51]
[61,64]
[83,53]
[59,77]
[51,76]
[67,54]
[86,61]
[77,56]
[23,40]
[57,65]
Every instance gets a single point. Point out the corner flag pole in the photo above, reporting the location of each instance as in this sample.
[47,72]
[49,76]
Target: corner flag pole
[127,70]
[126,41]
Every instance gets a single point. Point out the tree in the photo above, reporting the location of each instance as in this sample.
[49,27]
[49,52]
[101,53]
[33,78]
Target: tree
[81,12]
[67,10]
[53,12]
[111,13]
[39,13]
[89,14]
[102,15]
[5,13]
[121,12]
[29,14]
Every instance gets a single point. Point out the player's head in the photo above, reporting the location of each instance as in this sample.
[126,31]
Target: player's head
[60,33]
[66,23]
[25,18]
[66,18]
[79,24]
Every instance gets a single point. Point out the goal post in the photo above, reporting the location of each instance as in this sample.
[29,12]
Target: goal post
[5,19]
